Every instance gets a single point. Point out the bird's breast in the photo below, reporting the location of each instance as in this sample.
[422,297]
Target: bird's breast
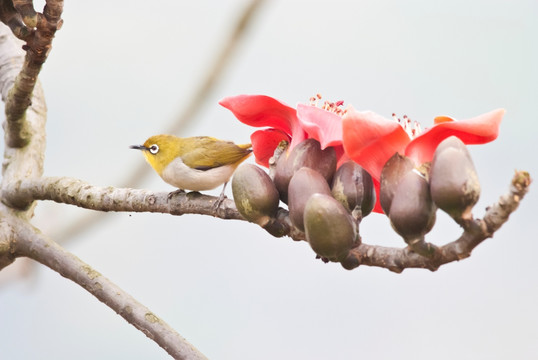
[184,177]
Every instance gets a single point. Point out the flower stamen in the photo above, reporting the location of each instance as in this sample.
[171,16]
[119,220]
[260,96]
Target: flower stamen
[334,107]
[314,100]
[412,128]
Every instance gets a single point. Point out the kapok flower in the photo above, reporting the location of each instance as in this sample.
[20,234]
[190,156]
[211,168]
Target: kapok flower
[283,122]
[370,140]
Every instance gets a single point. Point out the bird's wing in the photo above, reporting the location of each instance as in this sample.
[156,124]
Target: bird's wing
[211,153]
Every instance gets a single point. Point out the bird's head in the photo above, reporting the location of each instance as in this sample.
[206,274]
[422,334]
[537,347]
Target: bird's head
[160,150]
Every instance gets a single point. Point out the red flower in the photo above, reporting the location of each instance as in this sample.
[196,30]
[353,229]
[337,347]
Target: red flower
[283,122]
[370,140]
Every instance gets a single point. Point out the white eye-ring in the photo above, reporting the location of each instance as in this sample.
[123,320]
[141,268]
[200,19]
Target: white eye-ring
[154,149]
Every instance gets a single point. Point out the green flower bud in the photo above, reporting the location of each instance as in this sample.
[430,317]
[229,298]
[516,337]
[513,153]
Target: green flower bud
[412,212]
[454,183]
[391,175]
[353,187]
[330,229]
[254,193]
[303,185]
[306,154]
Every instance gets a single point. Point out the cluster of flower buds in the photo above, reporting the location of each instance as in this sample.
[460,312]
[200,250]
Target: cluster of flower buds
[324,203]
[327,204]
[410,196]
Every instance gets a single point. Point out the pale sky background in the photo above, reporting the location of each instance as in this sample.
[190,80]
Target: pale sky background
[122,71]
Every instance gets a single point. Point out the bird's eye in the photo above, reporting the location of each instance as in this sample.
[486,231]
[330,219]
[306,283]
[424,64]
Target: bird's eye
[154,149]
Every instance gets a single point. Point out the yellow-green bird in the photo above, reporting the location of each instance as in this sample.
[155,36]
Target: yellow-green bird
[194,163]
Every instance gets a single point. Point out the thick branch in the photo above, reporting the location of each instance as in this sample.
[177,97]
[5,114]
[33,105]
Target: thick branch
[26,161]
[79,193]
[38,45]
[31,243]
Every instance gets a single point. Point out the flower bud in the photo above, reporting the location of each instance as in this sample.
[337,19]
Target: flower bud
[254,193]
[391,175]
[306,154]
[353,187]
[412,212]
[454,182]
[330,229]
[303,185]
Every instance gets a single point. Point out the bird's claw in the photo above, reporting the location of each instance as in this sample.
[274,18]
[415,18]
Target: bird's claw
[219,201]
[221,197]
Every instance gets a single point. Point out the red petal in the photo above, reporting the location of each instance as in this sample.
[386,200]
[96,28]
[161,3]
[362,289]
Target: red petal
[262,111]
[370,140]
[377,207]
[478,130]
[264,143]
[322,125]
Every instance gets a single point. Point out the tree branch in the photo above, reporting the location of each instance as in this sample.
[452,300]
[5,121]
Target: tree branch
[38,37]
[22,161]
[12,18]
[79,193]
[31,243]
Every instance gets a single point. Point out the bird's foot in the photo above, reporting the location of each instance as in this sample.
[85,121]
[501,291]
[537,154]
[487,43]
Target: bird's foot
[221,197]
[219,201]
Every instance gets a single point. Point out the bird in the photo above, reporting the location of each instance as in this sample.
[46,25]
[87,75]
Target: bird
[195,163]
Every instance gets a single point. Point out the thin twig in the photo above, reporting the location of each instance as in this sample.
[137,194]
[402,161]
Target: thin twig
[38,46]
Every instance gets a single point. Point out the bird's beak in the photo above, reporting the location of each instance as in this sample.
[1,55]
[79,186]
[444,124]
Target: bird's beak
[138,147]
